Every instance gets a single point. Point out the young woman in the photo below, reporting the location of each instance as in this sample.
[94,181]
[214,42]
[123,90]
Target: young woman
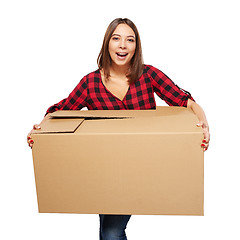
[121,82]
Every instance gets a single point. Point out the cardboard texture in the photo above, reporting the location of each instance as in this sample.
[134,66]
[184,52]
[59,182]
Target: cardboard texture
[120,162]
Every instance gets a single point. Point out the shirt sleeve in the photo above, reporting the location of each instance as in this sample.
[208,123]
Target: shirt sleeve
[167,90]
[76,100]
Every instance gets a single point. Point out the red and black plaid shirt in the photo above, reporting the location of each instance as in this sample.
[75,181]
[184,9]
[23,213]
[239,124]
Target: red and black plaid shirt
[91,93]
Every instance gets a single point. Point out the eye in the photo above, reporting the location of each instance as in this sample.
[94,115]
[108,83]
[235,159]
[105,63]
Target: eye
[115,38]
[131,40]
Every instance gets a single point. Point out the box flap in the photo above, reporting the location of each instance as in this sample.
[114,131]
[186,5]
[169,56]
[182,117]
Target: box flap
[160,120]
[59,126]
[102,113]
[174,124]
[97,114]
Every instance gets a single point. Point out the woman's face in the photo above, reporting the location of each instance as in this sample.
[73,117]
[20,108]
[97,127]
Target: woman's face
[122,45]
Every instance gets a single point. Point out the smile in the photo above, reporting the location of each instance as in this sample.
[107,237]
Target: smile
[122,54]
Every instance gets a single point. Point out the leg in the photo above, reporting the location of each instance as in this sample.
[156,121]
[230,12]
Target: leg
[112,227]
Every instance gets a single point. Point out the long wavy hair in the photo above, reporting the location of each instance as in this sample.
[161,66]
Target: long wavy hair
[104,60]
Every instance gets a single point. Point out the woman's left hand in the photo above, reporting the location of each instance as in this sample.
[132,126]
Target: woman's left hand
[205,142]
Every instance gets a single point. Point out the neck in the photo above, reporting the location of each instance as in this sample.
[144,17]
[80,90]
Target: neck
[118,70]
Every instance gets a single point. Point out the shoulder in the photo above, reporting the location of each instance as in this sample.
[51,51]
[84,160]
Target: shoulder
[151,70]
[93,75]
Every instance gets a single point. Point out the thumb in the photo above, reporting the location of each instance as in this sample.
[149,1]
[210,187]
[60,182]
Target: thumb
[36,127]
[200,124]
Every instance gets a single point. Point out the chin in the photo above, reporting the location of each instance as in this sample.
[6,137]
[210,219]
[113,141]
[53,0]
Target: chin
[121,64]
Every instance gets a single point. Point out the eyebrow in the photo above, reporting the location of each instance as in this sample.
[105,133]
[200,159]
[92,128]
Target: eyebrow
[115,34]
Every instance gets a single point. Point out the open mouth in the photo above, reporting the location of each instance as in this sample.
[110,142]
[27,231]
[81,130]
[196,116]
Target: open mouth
[122,55]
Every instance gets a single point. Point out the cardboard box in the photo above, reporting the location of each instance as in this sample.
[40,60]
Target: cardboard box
[120,162]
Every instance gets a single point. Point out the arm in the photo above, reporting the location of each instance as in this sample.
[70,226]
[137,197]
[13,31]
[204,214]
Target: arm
[166,89]
[76,100]
[202,122]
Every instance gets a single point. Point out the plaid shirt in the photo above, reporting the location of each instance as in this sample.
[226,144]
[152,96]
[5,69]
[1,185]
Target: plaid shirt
[91,93]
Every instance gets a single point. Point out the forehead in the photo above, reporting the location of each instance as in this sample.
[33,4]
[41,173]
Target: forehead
[124,30]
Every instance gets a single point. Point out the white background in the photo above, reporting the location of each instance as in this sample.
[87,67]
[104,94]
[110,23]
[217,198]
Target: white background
[47,46]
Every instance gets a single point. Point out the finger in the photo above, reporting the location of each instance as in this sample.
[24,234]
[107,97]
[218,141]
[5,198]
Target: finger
[205,141]
[30,142]
[206,135]
[36,126]
[205,146]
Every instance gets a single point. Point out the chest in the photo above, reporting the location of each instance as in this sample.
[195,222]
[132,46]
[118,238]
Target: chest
[118,88]
[114,96]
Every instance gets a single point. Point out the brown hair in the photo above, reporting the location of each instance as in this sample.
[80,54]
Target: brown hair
[104,60]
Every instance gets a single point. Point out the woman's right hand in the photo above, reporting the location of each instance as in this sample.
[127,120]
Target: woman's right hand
[29,138]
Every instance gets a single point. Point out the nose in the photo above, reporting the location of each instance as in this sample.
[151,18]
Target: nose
[122,44]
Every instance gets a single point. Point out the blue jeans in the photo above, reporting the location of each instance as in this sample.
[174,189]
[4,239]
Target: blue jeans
[112,227]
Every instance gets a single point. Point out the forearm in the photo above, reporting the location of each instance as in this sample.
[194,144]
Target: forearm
[198,111]
[202,122]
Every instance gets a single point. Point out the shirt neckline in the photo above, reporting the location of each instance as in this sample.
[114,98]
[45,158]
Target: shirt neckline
[106,89]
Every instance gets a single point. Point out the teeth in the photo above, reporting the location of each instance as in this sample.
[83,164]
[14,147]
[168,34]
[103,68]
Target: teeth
[122,54]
